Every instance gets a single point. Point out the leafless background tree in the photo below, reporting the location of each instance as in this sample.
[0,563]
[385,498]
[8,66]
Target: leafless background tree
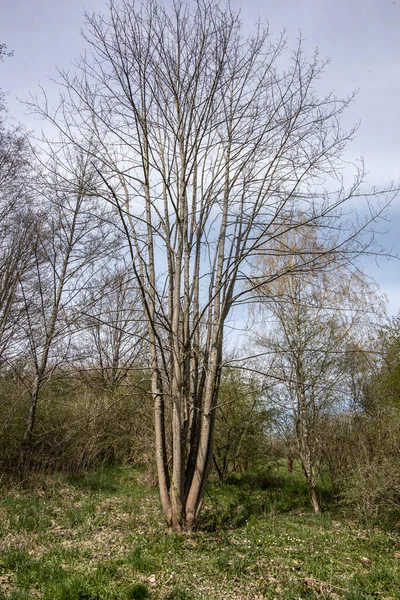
[16,224]
[67,241]
[314,311]
[111,336]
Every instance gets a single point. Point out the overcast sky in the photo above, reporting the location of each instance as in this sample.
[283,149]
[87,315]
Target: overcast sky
[360,37]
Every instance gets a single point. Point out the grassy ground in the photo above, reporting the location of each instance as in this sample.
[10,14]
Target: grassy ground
[101,537]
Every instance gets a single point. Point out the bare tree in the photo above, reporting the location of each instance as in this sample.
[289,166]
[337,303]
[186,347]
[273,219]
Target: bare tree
[66,243]
[318,313]
[16,223]
[110,341]
[15,262]
[207,146]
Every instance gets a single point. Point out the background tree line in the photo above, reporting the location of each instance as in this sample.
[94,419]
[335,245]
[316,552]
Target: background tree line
[193,176]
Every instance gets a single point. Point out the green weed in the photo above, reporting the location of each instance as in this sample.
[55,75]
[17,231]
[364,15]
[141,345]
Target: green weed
[73,587]
[15,595]
[140,560]
[15,559]
[26,514]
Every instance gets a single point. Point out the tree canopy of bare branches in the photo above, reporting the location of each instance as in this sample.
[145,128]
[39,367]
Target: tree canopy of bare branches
[210,145]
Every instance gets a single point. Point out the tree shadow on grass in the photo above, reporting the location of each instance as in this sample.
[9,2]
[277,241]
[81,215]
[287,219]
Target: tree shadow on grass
[247,496]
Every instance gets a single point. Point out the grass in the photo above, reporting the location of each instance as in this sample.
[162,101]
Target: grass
[101,536]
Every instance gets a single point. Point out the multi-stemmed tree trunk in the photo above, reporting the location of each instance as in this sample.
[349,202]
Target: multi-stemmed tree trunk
[206,150]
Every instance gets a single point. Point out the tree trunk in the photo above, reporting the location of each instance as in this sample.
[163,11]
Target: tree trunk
[26,446]
[314,500]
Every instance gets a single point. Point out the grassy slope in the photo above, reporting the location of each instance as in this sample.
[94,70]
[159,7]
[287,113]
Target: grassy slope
[102,537]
